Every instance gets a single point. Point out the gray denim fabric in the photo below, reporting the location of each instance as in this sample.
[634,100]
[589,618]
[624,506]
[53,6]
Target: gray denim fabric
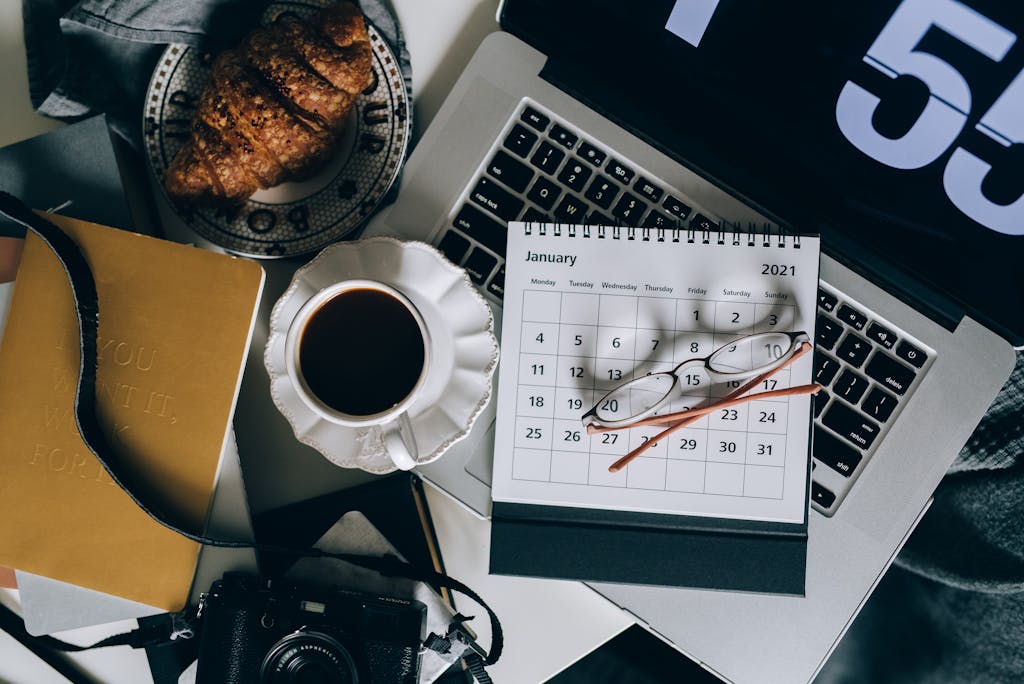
[951,609]
[94,56]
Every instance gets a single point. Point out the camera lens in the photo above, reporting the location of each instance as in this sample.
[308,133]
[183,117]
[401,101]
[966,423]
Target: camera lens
[312,673]
[308,657]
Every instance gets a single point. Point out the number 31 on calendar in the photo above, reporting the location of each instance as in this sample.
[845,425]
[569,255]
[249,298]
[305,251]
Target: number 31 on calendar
[895,53]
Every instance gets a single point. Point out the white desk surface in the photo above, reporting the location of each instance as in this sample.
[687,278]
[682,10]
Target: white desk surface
[548,624]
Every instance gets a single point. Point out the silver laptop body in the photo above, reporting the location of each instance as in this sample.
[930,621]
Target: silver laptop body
[739,637]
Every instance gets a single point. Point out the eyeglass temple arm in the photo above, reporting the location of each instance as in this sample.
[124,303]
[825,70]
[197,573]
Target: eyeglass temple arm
[694,415]
[731,399]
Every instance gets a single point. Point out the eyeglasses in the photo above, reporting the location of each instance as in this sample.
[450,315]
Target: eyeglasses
[743,363]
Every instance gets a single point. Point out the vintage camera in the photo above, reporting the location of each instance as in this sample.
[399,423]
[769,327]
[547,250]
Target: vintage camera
[256,631]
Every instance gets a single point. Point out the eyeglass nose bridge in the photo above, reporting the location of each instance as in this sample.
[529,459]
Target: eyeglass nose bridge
[682,374]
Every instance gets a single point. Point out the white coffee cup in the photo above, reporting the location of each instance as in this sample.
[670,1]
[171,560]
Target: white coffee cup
[352,356]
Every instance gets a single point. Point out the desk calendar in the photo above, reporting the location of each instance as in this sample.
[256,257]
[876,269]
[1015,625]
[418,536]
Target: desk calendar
[587,308]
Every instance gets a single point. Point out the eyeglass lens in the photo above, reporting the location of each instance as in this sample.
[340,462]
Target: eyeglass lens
[750,353]
[634,398]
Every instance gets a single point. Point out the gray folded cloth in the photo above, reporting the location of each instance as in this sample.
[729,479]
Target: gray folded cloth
[951,609]
[92,56]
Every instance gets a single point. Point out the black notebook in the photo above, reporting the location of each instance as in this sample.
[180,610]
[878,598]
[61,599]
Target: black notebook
[396,505]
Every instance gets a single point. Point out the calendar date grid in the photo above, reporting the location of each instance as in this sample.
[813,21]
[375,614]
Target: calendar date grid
[575,347]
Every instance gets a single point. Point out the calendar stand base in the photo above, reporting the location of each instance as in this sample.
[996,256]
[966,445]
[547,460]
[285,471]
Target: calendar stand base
[648,548]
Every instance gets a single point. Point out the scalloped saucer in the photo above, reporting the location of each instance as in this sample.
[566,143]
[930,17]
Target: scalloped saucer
[464,350]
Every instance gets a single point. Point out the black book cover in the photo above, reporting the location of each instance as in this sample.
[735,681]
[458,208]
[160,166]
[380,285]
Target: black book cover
[168,660]
[81,170]
[396,505]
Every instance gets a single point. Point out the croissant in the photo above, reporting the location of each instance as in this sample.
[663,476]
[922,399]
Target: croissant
[274,107]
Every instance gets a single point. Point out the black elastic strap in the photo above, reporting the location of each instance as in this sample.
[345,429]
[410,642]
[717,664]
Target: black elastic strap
[476,667]
[137,638]
[12,623]
[83,287]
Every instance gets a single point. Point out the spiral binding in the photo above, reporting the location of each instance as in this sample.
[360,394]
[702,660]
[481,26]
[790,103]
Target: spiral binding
[765,235]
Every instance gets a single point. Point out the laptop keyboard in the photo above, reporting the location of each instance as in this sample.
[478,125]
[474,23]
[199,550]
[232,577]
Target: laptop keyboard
[543,169]
[868,368]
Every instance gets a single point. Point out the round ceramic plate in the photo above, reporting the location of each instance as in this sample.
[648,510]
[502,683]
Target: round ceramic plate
[464,350]
[291,218]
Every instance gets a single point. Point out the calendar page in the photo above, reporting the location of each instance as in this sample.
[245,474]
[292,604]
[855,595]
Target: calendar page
[587,309]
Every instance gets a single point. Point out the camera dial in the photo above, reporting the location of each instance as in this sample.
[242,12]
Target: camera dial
[307,656]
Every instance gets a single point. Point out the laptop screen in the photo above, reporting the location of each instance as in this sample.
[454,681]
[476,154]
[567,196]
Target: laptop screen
[895,124]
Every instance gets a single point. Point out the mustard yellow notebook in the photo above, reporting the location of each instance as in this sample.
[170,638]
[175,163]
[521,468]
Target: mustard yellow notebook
[174,332]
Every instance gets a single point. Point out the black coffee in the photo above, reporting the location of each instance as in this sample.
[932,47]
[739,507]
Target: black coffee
[361,352]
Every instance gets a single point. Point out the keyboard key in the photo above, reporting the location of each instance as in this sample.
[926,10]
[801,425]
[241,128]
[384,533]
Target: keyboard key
[533,215]
[629,209]
[834,453]
[547,158]
[596,218]
[883,336]
[535,119]
[497,285]
[453,246]
[591,154]
[676,207]
[620,171]
[510,171]
[850,386]
[563,137]
[498,201]
[825,369]
[889,372]
[854,349]
[879,404]
[827,331]
[850,425]
[851,317]
[479,265]
[520,140]
[575,175]
[648,189]
[544,193]
[820,402]
[821,495]
[702,222]
[655,219]
[482,228]
[571,210]
[601,192]
[911,354]
[826,301]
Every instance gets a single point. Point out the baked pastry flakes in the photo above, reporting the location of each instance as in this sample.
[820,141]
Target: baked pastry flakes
[274,107]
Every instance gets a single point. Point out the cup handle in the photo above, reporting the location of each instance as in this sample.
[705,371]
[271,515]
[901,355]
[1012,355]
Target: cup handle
[400,442]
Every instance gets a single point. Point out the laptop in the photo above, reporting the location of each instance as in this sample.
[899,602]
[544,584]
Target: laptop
[887,128]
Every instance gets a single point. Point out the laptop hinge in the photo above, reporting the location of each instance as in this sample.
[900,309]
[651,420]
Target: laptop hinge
[928,301]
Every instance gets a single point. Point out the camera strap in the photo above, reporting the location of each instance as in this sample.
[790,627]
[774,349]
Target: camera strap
[87,309]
